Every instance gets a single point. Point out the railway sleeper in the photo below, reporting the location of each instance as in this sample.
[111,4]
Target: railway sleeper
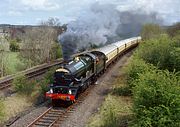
[57,113]
[47,118]
[46,121]
[50,115]
[42,124]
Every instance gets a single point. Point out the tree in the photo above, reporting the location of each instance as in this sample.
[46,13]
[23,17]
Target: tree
[36,46]
[56,25]
[39,43]
[150,31]
[51,22]
[4,47]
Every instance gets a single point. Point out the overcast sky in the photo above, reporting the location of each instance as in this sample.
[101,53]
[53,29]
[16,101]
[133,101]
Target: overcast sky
[34,11]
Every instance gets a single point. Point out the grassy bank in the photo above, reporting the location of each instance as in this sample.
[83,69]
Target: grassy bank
[116,109]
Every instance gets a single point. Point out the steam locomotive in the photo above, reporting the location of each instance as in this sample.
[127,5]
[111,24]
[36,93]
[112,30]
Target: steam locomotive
[75,76]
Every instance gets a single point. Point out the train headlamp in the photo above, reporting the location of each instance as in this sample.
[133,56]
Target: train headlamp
[51,90]
[70,92]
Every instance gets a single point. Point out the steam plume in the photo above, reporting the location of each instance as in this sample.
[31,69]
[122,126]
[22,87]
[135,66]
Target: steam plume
[100,25]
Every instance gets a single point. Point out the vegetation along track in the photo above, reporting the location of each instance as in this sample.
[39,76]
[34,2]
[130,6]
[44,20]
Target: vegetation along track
[5,82]
[53,116]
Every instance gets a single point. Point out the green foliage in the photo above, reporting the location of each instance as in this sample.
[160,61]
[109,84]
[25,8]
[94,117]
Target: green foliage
[150,31]
[156,92]
[56,51]
[48,79]
[135,68]
[161,52]
[23,86]
[13,63]
[44,85]
[14,46]
[110,112]
[174,60]
[157,99]
[176,41]
[50,75]
[122,91]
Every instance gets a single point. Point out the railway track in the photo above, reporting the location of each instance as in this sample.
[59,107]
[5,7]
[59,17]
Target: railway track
[5,82]
[53,116]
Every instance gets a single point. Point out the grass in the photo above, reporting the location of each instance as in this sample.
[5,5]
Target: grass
[14,105]
[1,110]
[116,109]
[13,63]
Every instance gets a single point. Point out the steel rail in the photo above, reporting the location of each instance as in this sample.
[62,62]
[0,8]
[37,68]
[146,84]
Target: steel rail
[6,81]
[47,120]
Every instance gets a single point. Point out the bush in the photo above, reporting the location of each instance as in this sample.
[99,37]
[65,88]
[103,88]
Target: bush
[14,46]
[174,60]
[50,75]
[156,99]
[122,91]
[44,85]
[135,68]
[162,52]
[48,79]
[22,85]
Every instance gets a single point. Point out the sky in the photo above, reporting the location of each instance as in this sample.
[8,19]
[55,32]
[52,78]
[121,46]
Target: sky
[32,12]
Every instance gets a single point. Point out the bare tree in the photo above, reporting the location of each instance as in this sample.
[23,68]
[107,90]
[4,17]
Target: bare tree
[51,22]
[36,46]
[38,42]
[4,47]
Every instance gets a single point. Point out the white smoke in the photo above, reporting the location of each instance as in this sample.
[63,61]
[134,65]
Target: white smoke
[102,24]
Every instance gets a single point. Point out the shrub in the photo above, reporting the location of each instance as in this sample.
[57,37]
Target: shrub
[176,41]
[44,85]
[162,52]
[22,85]
[122,91]
[135,68]
[156,99]
[174,60]
[14,46]
[49,75]
[48,79]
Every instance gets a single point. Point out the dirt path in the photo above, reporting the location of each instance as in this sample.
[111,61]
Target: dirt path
[92,103]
